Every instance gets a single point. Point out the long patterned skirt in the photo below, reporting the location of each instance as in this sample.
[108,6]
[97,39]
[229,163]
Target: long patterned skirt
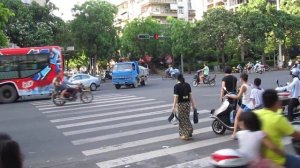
[185,125]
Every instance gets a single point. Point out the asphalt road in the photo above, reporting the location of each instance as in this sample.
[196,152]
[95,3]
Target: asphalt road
[120,128]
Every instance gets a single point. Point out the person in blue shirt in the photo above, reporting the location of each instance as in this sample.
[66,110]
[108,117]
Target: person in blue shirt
[294,88]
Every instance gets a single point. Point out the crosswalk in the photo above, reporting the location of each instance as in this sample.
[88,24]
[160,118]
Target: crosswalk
[120,130]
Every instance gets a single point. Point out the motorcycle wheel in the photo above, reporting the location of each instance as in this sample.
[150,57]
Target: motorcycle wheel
[57,100]
[212,83]
[195,83]
[86,96]
[218,127]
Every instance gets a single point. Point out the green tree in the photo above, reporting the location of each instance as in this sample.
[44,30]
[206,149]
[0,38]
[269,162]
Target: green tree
[216,29]
[4,16]
[33,25]
[93,29]
[184,40]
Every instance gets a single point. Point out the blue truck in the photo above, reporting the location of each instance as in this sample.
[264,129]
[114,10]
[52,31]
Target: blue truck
[129,74]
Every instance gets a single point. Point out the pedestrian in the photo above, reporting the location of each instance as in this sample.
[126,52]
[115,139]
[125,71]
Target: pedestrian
[10,153]
[256,94]
[276,127]
[251,139]
[246,106]
[229,82]
[294,88]
[182,102]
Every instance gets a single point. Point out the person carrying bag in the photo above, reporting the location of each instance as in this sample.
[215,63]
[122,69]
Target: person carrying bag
[182,102]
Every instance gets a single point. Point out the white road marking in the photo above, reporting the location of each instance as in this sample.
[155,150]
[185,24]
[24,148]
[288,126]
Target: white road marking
[127,133]
[111,113]
[95,101]
[39,102]
[88,104]
[102,109]
[101,128]
[89,107]
[199,163]
[162,152]
[140,142]
[111,119]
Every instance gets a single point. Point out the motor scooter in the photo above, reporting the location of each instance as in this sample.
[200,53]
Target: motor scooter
[224,115]
[211,81]
[226,158]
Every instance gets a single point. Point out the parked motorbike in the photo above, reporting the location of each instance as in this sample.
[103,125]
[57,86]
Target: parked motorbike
[85,96]
[224,115]
[238,69]
[211,81]
[171,75]
[284,96]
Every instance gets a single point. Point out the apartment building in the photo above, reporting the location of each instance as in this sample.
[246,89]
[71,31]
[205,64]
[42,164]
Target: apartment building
[228,4]
[41,2]
[158,9]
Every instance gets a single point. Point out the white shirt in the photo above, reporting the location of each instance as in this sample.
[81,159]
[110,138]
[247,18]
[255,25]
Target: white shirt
[250,143]
[294,87]
[256,94]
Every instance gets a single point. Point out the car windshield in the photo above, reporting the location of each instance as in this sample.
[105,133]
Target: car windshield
[122,67]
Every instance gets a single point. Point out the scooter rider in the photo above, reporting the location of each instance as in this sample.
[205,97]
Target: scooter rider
[205,73]
[63,86]
[294,87]
[229,82]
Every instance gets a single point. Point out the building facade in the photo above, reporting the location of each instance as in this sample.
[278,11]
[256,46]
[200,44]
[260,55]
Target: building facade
[41,2]
[158,9]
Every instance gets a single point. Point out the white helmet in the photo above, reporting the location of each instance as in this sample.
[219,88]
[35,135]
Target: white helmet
[295,72]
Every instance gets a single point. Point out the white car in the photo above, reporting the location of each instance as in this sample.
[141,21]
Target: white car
[87,80]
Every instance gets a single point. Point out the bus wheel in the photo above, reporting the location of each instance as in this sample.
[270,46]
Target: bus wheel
[8,94]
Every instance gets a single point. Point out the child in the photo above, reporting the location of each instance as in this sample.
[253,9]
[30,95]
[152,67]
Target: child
[256,94]
[251,138]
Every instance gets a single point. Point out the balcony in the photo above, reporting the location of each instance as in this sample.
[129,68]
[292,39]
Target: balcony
[163,14]
[157,2]
[192,13]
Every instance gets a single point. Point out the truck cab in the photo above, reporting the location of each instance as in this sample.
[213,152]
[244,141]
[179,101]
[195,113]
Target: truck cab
[129,74]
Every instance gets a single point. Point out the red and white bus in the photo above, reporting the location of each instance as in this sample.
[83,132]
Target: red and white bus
[28,71]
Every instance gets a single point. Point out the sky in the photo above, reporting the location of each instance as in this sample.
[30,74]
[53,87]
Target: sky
[65,7]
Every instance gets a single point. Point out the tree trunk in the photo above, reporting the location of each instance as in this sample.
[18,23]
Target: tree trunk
[223,57]
[263,58]
[242,53]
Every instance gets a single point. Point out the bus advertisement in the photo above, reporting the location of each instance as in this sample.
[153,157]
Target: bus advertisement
[28,71]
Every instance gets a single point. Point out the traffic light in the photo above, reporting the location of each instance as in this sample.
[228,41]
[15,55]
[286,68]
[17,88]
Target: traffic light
[143,36]
[156,36]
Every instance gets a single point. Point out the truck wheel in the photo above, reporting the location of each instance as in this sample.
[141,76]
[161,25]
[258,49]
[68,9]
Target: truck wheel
[8,94]
[118,86]
[135,85]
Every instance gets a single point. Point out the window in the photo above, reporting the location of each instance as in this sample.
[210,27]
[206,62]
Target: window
[8,67]
[21,66]
[180,10]
[85,76]
[31,64]
[78,77]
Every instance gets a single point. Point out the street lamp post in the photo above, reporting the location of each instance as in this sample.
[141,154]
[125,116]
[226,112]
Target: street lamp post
[279,59]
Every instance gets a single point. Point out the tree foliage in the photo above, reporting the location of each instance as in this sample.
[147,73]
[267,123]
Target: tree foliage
[93,28]
[32,25]
[4,16]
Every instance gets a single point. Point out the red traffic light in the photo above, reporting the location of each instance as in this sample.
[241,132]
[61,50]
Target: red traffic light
[156,36]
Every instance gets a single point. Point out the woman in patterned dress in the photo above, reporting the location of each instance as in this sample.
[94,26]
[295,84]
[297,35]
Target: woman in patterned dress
[182,103]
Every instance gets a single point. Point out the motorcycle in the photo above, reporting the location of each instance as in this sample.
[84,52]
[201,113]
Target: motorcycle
[85,96]
[211,81]
[238,69]
[284,96]
[171,75]
[257,69]
[224,115]
[225,158]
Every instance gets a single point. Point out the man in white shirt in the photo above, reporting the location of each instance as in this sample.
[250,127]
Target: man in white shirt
[294,88]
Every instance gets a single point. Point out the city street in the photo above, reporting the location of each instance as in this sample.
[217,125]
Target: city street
[120,128]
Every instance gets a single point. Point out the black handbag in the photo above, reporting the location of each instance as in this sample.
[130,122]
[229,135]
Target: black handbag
[195,116]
